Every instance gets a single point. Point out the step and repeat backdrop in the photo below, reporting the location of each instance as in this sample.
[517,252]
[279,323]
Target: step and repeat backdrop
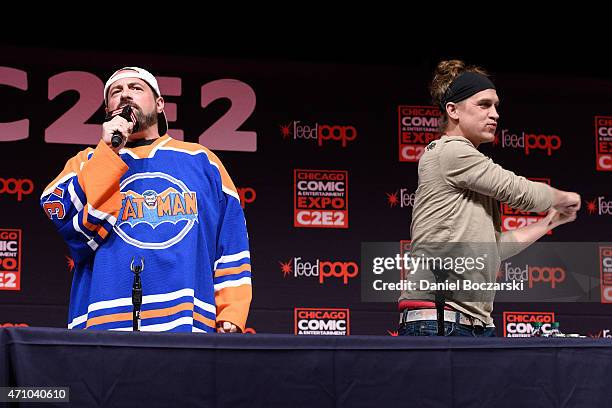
[324,157]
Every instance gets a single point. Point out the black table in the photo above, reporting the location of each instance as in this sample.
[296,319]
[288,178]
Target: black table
[125,369]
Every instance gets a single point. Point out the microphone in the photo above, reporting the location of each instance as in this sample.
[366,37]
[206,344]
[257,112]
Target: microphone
[136,293]
[126,113]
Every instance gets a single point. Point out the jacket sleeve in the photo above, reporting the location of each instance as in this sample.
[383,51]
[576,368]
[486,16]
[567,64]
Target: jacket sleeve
[84,200]
[508,246]
[232,267]
[465,167]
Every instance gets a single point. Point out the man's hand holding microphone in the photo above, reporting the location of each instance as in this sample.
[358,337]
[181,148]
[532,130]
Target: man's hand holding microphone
[118,126]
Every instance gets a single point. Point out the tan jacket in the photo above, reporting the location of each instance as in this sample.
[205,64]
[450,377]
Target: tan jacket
[457,200]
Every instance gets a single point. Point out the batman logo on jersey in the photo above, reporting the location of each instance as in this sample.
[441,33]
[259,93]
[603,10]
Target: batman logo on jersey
[157,210]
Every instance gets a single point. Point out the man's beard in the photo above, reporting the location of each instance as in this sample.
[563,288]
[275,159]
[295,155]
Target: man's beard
[145,121]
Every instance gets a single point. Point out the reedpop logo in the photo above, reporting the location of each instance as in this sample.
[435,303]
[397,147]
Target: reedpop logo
[547,275]
[247,195]
[599,206]
[605,333]
[18,187]
[528,142]
[297,267]
[319,133]
[402,197]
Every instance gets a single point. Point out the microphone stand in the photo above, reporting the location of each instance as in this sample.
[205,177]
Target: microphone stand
[136,293]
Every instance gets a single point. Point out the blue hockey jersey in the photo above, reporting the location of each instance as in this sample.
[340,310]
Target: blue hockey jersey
[171,203]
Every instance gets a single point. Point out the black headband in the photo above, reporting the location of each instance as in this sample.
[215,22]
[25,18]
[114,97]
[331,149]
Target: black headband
[464,86]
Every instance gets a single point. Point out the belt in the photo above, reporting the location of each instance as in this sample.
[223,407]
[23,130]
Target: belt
[408,315]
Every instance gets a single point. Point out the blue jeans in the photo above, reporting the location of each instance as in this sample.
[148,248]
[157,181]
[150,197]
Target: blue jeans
[430,328]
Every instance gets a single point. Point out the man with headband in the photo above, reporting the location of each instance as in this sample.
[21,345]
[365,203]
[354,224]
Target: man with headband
[457,202]
[161,203]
